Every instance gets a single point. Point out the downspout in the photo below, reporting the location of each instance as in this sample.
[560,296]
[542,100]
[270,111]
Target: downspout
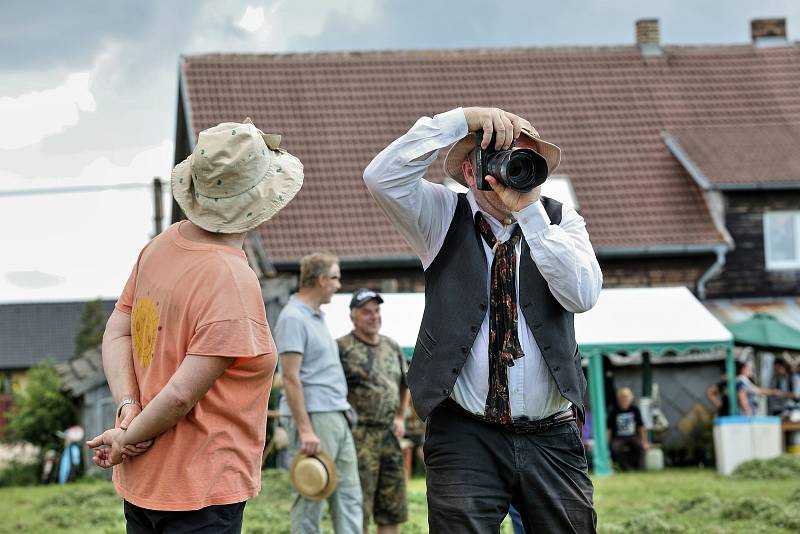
[717,266]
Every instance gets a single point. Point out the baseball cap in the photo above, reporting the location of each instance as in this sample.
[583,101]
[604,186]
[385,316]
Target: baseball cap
[362,296]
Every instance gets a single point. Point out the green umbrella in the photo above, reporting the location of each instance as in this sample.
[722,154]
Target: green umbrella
[764,330]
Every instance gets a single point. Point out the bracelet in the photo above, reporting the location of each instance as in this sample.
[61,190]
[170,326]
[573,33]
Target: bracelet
[125,402]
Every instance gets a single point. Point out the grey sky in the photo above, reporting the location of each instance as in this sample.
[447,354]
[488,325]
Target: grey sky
[118,125]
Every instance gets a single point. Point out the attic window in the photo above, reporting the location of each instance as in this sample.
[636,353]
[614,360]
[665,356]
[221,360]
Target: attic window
[782,240]
[559,187]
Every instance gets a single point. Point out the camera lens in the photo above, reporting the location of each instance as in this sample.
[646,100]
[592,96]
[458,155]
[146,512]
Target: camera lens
[520,166]
[515,168]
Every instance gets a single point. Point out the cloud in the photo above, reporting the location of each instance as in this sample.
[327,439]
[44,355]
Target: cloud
[152,161]
[64,35]
[252,20]
[33,116]
[33,279]
[139,166]
[90,240]
[86,241]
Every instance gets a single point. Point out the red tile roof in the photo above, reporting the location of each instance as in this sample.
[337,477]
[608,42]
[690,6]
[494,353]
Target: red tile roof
[606,108]
[742,155]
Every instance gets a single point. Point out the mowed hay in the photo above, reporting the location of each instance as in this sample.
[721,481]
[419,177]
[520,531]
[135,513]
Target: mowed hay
[769,511]
[786,466]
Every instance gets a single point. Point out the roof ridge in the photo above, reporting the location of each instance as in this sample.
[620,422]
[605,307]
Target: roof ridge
[355,54]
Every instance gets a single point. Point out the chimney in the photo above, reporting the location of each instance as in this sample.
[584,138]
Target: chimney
[768,32]
[648,37]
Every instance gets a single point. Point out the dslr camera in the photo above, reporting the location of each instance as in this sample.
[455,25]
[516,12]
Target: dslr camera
[521,169]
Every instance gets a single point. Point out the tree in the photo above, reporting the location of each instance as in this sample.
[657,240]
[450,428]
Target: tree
[91,327]
[41,408]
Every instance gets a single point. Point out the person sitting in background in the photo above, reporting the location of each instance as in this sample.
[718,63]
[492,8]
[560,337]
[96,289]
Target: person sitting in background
[626,432]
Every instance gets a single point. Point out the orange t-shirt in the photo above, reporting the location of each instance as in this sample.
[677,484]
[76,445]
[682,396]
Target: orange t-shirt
[186,297]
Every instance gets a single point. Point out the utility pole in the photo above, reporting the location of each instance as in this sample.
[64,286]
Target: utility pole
[158,211]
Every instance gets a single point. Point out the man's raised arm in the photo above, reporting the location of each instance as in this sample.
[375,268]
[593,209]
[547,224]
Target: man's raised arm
[419,209]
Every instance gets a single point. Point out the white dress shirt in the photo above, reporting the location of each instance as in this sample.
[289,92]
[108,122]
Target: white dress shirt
[422,211]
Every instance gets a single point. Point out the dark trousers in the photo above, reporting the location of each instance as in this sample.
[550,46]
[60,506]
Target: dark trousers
[475,470]
[220,519]
[628,453]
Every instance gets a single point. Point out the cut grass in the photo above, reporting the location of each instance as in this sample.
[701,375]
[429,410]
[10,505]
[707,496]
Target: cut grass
[684,501]
[689,501]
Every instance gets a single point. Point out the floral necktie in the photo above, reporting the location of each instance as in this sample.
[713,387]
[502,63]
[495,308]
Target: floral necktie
[504,346]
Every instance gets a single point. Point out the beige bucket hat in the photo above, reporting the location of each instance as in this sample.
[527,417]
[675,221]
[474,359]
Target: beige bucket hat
[455,156]
[314,477]
[236,178]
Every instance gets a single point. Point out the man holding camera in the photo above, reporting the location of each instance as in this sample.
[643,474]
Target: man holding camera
[496,369]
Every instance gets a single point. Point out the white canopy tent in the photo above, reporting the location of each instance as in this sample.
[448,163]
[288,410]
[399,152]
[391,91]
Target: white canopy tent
[647,317]
[401,315]
[654,320]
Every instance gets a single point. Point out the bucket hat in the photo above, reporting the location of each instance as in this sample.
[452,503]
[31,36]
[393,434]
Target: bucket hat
[236,178]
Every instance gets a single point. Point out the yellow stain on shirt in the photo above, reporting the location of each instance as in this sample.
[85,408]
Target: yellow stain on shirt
[144,330]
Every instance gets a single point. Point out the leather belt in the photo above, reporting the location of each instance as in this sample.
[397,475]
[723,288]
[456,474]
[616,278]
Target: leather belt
[521,425]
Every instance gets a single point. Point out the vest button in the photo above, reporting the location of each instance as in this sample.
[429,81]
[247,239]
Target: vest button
[483,306]
[455,371]
[546,347]
[537,325]
[464,349]
[445,392]
[473,328]
[566,390]
[556,368]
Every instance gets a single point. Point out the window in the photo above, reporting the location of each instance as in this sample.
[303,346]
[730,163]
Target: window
[782,240]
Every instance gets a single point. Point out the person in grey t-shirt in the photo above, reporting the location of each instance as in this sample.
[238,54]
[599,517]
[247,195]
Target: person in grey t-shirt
[315,396]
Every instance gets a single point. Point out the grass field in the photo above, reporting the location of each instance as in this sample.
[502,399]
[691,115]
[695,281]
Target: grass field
[673,501]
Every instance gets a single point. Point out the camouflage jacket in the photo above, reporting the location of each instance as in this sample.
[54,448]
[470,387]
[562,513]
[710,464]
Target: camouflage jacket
[374,375]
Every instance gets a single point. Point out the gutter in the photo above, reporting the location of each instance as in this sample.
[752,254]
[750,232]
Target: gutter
[400,262]
[657,250]
[359,263]
[721,251]
[790,186]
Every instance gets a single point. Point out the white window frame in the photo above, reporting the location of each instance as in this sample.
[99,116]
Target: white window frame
[777,265]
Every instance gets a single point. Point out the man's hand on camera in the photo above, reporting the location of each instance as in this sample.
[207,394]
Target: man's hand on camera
[514,200]
[491,120]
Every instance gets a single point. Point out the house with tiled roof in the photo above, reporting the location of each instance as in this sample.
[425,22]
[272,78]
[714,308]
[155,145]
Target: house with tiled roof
[681,159]
[34,331]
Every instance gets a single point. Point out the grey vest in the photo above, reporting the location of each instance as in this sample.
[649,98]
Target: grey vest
[456,301]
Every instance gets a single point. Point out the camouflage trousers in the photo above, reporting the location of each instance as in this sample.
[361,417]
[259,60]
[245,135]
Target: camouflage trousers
[383,475]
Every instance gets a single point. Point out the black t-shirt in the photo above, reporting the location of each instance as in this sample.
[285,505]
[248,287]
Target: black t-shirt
[625,423]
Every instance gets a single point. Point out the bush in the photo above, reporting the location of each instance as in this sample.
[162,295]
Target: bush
[19,474]
[41,408]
